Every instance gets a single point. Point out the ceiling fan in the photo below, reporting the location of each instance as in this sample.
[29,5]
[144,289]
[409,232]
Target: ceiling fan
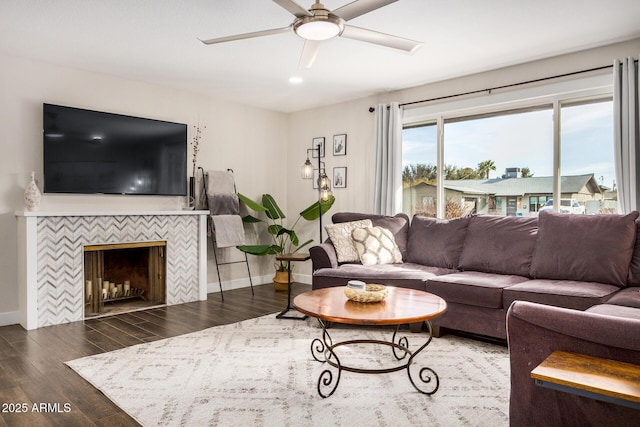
[319,23]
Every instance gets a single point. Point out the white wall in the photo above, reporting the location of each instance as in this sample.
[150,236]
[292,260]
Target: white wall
[249,140]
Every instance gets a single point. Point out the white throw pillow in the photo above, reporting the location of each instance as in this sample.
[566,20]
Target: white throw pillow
[340,235]
[376,245]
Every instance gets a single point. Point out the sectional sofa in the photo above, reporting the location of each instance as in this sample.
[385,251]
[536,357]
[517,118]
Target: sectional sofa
[481,264]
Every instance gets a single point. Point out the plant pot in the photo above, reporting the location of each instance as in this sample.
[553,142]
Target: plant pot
[280,280]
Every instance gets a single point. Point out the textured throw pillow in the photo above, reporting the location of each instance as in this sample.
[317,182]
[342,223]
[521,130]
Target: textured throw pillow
[589,248]
[397,224]
[340,235]
[376,245]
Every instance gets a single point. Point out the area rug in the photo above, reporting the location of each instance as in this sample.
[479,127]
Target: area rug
[261,372]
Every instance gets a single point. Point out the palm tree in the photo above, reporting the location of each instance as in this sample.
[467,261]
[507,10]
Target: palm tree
[526,172]
[485,167]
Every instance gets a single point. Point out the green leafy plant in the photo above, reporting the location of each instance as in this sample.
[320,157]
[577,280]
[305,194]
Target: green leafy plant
[285,240]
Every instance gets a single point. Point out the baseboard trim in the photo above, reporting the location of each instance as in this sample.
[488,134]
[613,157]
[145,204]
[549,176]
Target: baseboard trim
[9,318]
[228,285]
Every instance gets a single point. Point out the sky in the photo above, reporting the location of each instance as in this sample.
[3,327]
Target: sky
[524,140]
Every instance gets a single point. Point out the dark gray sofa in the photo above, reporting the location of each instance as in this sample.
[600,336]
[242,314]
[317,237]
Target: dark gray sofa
[481,264]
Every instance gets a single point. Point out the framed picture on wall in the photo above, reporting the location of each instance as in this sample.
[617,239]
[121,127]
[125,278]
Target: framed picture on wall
[340,144]
[340,177]
[318,143]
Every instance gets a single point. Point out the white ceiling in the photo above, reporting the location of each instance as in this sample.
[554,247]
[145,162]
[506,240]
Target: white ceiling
[157,41]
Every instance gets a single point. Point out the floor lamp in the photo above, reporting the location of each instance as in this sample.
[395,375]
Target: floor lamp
[324,183]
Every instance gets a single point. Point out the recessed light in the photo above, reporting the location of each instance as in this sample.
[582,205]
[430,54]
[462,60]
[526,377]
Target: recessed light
[295,80]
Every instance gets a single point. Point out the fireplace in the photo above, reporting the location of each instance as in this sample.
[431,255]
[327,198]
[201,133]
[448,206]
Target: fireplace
[123,277]
[51,249]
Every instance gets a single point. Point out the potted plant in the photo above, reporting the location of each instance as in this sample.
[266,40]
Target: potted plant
[285,240]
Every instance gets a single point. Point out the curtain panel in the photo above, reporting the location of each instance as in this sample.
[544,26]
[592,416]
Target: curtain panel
[626,133]
[387,197]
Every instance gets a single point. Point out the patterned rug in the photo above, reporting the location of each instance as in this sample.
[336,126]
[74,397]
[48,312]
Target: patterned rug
[261,372]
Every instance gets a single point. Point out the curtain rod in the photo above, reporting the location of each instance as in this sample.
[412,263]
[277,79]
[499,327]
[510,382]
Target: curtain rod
[573,73]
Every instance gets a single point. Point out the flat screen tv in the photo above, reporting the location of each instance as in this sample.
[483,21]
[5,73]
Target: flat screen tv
[92,152]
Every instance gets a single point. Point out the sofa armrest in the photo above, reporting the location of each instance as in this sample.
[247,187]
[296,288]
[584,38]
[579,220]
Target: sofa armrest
[323,256]
[534,331]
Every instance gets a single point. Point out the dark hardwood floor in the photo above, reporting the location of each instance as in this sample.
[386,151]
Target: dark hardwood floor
[38,389]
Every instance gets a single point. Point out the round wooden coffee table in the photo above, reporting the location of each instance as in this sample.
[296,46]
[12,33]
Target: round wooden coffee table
[401,306]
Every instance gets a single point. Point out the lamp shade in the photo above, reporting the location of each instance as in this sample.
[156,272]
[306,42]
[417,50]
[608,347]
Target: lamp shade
[307,170]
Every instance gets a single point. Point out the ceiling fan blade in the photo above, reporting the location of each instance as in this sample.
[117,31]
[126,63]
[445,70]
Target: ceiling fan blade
[309,53]
[359,7]
[293,7]
[247,35]
[382,39]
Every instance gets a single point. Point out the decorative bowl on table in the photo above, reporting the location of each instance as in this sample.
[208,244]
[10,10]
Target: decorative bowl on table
[371,293]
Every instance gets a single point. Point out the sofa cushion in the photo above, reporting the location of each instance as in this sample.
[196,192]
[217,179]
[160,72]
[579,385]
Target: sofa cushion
[629,297]
[376,245]
[499,244]
[340,235]
[615,310]
[588,248]
[398,225]
[561,293]
[436,242]
[406,275]
[472,287]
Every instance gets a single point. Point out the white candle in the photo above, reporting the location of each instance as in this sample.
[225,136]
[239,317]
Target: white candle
[89,290]
[104,294]
[119,287]
[105,285]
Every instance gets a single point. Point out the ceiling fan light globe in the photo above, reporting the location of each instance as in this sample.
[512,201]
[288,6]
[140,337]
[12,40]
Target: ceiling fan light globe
[319,28]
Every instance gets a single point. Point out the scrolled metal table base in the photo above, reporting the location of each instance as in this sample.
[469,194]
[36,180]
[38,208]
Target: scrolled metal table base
[322,350]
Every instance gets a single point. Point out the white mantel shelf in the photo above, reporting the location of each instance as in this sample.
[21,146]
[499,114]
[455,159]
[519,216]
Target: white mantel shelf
[51,259]
[108,213]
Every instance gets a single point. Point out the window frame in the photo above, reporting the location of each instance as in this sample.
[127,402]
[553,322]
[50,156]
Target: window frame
[596,88]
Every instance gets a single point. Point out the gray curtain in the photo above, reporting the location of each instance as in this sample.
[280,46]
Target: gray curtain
[626,133]
[387,197]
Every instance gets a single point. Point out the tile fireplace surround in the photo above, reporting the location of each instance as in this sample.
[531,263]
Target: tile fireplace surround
[51,259]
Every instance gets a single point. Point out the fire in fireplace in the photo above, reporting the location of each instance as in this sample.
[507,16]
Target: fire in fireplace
[124,277]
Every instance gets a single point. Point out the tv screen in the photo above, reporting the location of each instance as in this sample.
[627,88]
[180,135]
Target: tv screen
[92,152]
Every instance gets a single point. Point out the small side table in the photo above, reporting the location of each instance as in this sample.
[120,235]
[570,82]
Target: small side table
[289,258]
[588,376]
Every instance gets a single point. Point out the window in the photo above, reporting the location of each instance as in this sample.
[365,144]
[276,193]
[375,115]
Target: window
[419,151]
[537,202]
[587,158]
[502,162]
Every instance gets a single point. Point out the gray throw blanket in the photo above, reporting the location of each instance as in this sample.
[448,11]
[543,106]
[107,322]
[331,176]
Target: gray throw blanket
[229,230]
[224,204]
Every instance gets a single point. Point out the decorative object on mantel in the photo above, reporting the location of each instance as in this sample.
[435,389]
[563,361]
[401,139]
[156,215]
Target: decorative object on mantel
[32,194]
[195,145]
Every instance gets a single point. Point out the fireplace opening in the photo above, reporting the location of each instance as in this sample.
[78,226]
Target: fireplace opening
[124,277]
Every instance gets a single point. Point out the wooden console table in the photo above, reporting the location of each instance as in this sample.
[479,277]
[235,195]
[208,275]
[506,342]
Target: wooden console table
[601,379]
